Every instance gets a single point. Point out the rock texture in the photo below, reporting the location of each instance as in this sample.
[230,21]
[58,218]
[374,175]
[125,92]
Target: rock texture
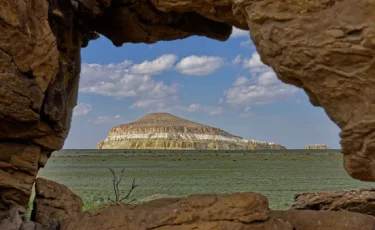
[166,131]
[200,212]
[325,47]
[316,146]
[54,202]
[325,220]
[14,220]
[359,200]
[39,73]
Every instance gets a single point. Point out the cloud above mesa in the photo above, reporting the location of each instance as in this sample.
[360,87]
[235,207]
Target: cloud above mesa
[199,65]
[82,109]
[136,81]
[261,87]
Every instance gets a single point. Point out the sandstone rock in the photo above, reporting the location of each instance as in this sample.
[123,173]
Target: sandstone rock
[326,48]
[30,225]
[358,200]
[316,146]
[14,221]
[140,21]
[54,201]
[325,220]
[18,168]
[39,67]
[221,12]
[201,212]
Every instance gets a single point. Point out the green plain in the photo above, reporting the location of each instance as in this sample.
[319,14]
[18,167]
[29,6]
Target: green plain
[279,175]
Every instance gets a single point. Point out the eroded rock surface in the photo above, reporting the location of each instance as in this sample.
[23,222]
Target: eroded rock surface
[325,47]
[54,202]
[201,212]
[236,211]
[357,200]
[325,220]
[14,220]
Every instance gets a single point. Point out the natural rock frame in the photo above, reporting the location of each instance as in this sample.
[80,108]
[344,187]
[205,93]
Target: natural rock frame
[326,47]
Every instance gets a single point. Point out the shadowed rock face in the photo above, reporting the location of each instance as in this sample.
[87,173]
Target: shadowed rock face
[326,47]
[53,201]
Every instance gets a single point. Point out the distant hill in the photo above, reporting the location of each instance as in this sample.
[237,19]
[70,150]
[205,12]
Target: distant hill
[316,146]
[166,131]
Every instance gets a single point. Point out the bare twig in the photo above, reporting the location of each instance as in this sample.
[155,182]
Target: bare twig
[130,191]
[116,183]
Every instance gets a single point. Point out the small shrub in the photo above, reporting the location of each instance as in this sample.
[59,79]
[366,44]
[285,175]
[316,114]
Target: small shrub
[116,182]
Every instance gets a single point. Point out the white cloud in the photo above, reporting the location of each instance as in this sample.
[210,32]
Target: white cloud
[268,78]
[157,66]
[82,109]
[247,44]
[239,33]
[247,112]
[157,103]
[241,81]
[211,110]
[115,80]
[107,119]
[254,63]
[237,60]
[262,88]
[199,65]
[93,74]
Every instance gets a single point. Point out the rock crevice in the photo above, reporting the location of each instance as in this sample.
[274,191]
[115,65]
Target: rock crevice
[325,47]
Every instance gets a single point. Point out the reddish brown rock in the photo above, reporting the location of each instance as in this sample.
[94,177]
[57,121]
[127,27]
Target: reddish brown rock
[358,200]
[54,202]
[201,212]
[325,220]
[14,221]
[326,48]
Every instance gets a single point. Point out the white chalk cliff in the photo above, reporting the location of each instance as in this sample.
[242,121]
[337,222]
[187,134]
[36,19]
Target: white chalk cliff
[166,131]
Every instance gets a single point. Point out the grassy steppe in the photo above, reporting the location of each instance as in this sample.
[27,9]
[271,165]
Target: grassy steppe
[277,174]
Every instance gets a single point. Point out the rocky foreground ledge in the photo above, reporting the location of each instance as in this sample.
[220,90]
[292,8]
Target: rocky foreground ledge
[203,212]
[57,208]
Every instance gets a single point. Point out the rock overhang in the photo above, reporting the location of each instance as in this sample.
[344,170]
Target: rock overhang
[325,47]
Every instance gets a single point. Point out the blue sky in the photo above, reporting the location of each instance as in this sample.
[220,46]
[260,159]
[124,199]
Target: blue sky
[222,84]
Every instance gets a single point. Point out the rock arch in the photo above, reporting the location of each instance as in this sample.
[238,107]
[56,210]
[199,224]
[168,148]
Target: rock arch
[326,47]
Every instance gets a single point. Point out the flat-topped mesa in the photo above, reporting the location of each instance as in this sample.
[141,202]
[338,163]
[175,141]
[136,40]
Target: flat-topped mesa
[316,146]
[166,131]
[254,144]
